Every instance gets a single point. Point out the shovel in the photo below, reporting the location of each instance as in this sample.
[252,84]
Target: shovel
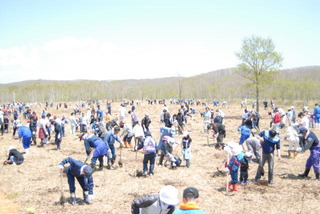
[120,162]
[62,197]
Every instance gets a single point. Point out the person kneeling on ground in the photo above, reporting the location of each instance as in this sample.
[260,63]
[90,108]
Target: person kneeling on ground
[162,202]
[190,201]
[15,157]
[83,173]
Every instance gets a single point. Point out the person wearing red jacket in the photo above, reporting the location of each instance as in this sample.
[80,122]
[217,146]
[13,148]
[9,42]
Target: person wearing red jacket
[276,119]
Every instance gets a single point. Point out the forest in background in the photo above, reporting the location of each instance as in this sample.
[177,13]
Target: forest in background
[290,85]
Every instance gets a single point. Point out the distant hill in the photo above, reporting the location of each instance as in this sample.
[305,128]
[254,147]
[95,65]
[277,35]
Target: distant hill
[219,84]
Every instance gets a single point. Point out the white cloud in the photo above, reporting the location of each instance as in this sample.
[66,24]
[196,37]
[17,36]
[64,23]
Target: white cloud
[72,58]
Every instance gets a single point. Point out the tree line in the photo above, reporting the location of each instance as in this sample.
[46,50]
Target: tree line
[203,87]
[257,77]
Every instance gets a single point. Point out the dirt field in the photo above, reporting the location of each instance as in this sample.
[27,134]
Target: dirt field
[36,183]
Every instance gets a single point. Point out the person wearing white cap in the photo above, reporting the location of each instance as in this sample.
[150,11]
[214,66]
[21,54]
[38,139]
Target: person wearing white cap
[244,168]
[163,202]
[186,148]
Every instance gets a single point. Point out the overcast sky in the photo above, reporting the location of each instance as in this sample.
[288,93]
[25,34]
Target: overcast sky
[135,39]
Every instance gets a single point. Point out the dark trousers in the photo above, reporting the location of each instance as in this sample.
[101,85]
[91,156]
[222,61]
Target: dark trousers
[243,176]
[149,158]
[234,176]
[113,152]
[94,160]
[82,181]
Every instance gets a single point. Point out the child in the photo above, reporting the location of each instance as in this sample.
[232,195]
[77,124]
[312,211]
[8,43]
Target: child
[244,168]
[233,168]
[186,148]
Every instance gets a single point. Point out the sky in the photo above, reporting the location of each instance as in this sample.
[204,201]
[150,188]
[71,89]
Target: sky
[141,39]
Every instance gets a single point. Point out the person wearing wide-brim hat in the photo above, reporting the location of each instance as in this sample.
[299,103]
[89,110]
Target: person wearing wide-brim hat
[162,202]
[83,173]
[311,143]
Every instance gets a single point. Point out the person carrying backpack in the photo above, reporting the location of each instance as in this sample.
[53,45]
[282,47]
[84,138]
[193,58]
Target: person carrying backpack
[233,167]
[150,148]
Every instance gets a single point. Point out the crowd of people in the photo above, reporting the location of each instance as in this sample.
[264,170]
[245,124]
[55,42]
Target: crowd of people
[99,133]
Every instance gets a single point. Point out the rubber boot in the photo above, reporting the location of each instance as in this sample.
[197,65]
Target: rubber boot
[73,199]
[112,164]
[187,163]
[235,187]
[108,165]
[229,186]
[86,197]
[100,167]
[317,176]
[125,144]
[305,174]
[295,154]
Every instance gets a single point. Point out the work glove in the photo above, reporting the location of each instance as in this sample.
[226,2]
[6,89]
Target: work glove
[60,167]
[226,170]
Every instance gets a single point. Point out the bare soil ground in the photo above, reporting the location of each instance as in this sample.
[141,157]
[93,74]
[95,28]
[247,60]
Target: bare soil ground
[36,183]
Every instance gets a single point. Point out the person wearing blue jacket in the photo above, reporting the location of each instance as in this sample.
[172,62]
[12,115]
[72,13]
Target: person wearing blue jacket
[83,173]
[99,113]
[190,202]
[99,146]
[244,132]
[270,142]
[233,167]
[316,114]
[165,131]
[25,136]
[110,139]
